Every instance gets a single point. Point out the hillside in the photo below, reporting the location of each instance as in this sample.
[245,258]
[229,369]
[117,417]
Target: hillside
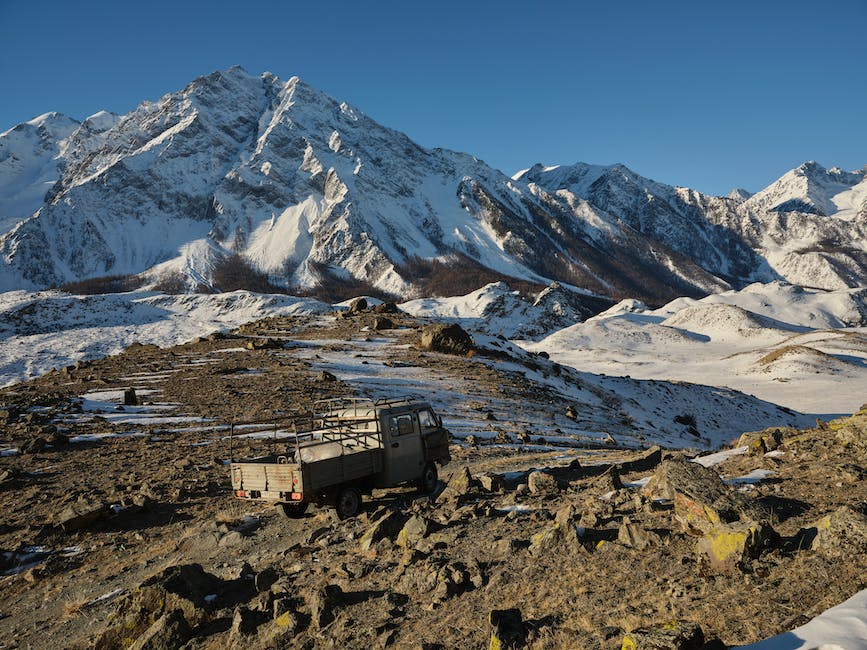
[546,510]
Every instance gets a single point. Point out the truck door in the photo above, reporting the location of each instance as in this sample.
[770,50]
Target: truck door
[404,456]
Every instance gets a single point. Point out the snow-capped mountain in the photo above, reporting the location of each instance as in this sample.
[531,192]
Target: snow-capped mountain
[308,189]
[30,164]
[809,227]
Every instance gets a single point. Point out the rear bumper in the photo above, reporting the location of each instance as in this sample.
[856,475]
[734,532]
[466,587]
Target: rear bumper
[269,495]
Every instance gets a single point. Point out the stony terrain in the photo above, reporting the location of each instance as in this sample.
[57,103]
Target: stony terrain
[119,529]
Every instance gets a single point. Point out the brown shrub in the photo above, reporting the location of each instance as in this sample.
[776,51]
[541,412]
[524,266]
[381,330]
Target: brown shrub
[105,284]
[173,283]
[456,276]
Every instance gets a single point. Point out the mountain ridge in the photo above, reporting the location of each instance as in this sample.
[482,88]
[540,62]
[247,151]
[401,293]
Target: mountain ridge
[299,184]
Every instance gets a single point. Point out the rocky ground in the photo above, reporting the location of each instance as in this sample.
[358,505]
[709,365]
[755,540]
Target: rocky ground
[119,529]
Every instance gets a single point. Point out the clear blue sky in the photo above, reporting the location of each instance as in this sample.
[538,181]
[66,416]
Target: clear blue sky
[711,95]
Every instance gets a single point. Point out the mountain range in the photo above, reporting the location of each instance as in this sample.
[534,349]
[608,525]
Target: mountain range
[305,190]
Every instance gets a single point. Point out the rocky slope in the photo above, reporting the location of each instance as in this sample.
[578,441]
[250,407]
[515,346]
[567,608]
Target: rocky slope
[538,544]
[309,190]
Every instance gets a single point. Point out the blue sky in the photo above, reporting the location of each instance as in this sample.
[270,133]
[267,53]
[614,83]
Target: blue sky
[707,95]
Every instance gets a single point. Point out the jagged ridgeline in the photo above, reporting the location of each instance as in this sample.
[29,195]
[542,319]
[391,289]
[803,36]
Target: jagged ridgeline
[250,181]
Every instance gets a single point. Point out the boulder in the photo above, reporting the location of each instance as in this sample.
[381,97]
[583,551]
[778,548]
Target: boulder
[701,500]
[674,635]
[841,533]
[357,306]
[80,514]
[542,483]
[264,344]
[386,308]
[414,530]
[382,323]
[761,442]
[129,397]
[386,527]
[508,631]
[445,338]
[644,462]
[491,482]
[322,601]
[635,536]
[34,445]
[728,547]
[245,624]
[170,631]
[851,431]
[558,537]
[180,587]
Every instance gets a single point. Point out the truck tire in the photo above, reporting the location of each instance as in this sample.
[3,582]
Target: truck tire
[347,502]
[429,479]
[293,511]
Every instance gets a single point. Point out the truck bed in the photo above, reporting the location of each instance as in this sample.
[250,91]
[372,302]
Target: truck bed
[268,479]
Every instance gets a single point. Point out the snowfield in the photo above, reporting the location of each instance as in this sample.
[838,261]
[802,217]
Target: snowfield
[799,348]
[47,329]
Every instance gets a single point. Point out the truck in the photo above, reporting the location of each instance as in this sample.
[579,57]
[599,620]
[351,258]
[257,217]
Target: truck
[346,448]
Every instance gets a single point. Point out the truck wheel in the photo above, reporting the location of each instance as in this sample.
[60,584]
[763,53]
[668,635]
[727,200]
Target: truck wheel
[293,511]
[347,503]
[429,479]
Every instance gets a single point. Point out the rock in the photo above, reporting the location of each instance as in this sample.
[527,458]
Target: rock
[566,515]
[542,483]
[325,376]
[382,323]
[34,445]
[414,530]
[142,501]
[761,442]
[180,587]
[245,623]
[558,537]
[730,546]
[130,398]
[446,338]
[643,462]
[264,344]
[357,306]
[675,635]
[386,308]
[386,527]
[460,484]
[508,631]
[80,514]
[701,500]
[505,547]
[491,482]
[232,538]
[170,631]
[283,627]
[321,601]
[842,532]
[471,440]
[9,475]
[605,483]
[265,579]
[851,431]
[635,536]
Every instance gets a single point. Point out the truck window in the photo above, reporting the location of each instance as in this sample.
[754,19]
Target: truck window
[426,420]
[400,425]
